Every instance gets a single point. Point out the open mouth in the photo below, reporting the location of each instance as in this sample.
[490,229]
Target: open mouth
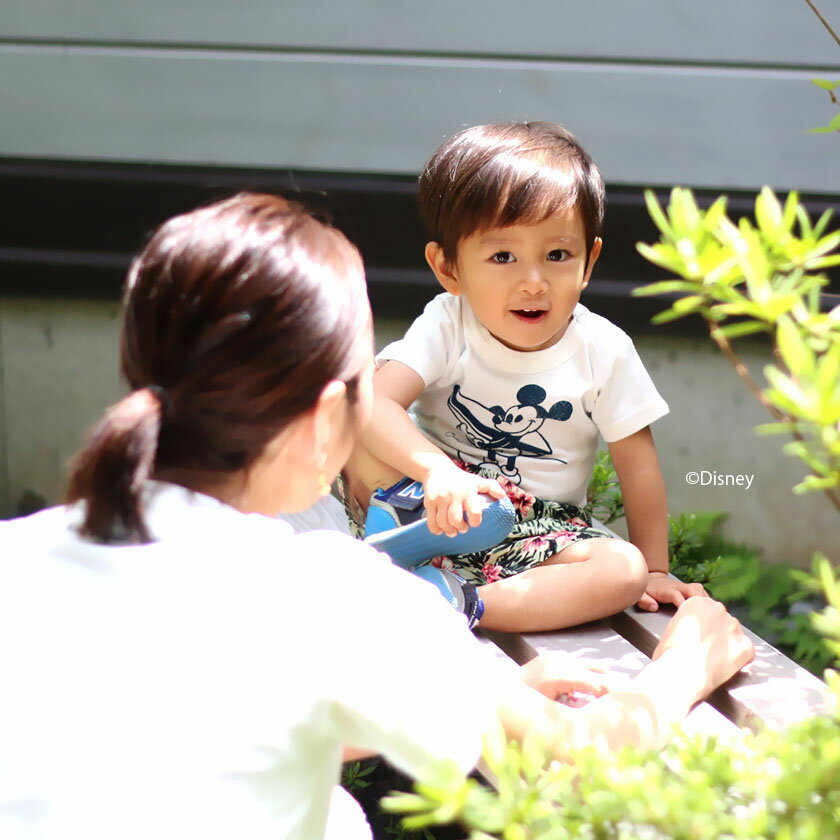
[530,315]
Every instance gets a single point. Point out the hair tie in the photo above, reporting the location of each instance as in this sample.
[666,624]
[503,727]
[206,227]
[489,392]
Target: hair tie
[163,398]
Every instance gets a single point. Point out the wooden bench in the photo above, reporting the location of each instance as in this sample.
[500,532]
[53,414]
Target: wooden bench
[772,691]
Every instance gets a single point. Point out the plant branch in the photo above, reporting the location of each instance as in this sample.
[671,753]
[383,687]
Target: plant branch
[823,21]
[744,372]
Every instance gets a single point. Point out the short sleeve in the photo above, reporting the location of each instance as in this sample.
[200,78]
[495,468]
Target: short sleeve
[429,342]
[406,677]
[626,400]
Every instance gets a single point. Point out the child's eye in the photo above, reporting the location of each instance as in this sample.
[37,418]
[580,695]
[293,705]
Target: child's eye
[558,255]
[502,257]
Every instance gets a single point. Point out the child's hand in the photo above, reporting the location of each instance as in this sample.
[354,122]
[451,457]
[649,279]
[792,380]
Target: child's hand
[662,589]
[452,499]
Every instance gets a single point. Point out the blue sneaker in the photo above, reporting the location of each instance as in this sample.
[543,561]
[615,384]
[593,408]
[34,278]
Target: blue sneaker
[396,525]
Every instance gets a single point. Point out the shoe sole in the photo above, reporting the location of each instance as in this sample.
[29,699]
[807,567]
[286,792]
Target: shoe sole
[411,544]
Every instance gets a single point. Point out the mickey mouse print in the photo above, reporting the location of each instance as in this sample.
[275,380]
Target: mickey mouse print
[505,434]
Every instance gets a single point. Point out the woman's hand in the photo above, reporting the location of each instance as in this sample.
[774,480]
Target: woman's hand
[556,674]
[452,498]
[702,631]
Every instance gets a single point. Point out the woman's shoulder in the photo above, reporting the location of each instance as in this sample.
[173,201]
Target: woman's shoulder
[41,527]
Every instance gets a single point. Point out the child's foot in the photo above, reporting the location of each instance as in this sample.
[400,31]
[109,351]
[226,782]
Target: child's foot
[461,595]
[396,525]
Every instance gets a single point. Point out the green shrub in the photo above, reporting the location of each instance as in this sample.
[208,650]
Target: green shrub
[771,785]
[763,786]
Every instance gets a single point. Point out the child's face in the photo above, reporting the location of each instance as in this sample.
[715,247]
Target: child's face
[522,281]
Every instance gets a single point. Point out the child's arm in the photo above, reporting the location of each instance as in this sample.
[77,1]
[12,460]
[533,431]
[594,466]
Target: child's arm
[646,510]
[451,495]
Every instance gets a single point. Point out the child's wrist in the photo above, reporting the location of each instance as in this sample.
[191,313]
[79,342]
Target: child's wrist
[432,462]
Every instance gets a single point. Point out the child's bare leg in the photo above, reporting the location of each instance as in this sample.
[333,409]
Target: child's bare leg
[587,580]
[364,472]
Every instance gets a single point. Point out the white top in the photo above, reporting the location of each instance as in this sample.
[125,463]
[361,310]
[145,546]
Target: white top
[534,416]
[327,514]
[202,686]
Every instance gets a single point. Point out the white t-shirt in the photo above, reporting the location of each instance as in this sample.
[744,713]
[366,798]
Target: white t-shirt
[534,416]
[202,686]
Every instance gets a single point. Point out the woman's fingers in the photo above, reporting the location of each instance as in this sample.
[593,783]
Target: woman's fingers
[704,632]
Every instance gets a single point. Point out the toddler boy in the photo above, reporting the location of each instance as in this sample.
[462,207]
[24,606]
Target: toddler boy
[511,380]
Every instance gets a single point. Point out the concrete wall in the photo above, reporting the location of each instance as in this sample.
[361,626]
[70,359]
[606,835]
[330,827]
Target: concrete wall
[58,370]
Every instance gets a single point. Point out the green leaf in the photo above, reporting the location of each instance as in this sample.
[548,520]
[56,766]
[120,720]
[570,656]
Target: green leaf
[666,316]
[824,262]
[789,214]
[822,222]
[828,374]
[776,428]
[691,303]
[683,212]
[798,357]
[804,219]
[825,84]
[738,330]
[825,245]
[811,483]
[768,212]
[664,287]
[655,212]
[663,255]
[785,385]
[834,125]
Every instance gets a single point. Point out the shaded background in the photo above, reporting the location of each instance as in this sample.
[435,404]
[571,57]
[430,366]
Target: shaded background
[115,116]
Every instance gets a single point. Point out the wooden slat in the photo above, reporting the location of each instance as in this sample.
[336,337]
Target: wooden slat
[765,31]
[365,114]
[772,690]
[599,643]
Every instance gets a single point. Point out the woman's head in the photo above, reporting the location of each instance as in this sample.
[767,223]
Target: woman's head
[237,317]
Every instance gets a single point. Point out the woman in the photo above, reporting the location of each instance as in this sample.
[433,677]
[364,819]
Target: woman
[176,662]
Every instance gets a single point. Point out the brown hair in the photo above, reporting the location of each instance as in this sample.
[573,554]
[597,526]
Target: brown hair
[236,316]
[503,174]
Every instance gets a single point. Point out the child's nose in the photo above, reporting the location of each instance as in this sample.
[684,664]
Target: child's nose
[532,280]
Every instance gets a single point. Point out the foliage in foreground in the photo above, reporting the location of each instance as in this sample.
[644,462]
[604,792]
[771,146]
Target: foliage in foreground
[774,785]
[763,786]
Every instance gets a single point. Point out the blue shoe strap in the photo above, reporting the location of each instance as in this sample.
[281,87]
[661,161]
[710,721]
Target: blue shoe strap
[406,494]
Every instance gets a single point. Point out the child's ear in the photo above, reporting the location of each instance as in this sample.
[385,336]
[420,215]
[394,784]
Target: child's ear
[594,253]
[442,268]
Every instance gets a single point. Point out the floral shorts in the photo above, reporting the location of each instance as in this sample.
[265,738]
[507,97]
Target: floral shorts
[543,528]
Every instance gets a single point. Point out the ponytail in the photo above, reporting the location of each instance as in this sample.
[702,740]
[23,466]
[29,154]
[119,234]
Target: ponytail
[109,474]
